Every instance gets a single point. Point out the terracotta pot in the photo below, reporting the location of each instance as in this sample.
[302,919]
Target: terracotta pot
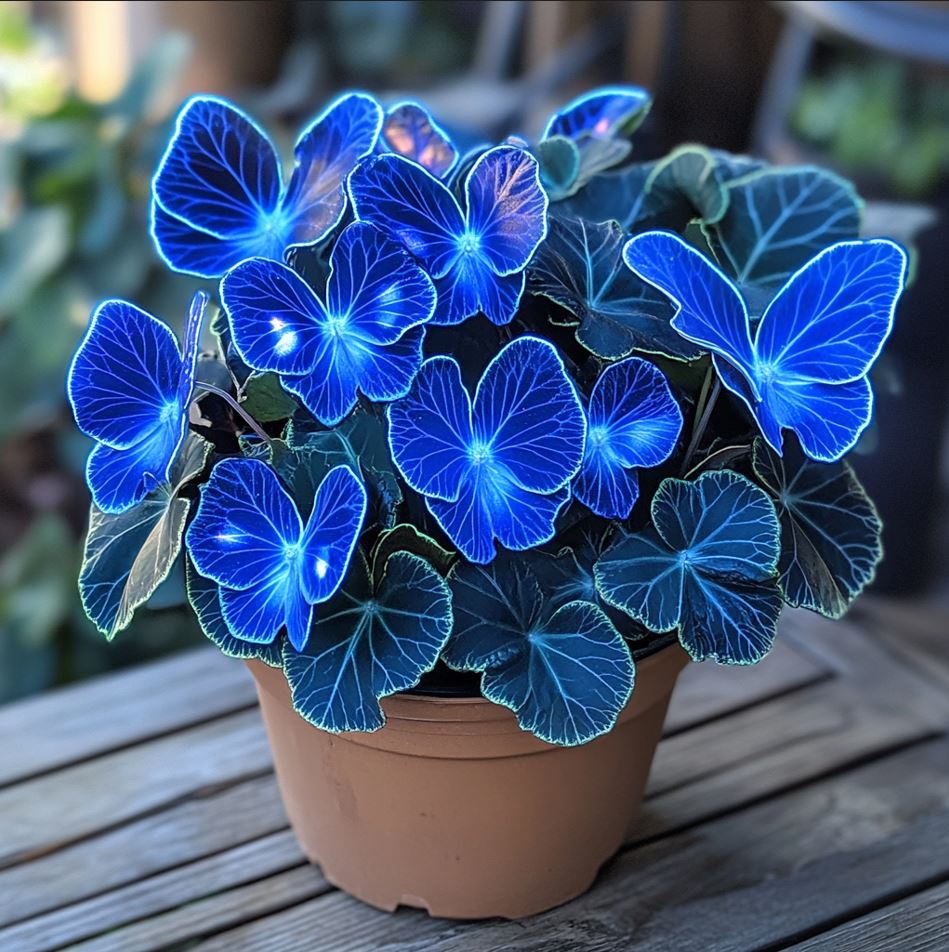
[451,807]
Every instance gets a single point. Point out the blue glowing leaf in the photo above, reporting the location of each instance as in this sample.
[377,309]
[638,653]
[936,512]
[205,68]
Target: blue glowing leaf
[830,531]
[218,193]
[580,267]
[193,251]
[507,208]
[394,193]
[248,537]
[410,131]
[805,368]
[126,371]
[527,417]
[367,337]
[830,320]
[778,219]
[121,479]
[204,595]
[475,256]
[339,509]
[325,154]
[127,555]
[220,172]
[375,638]
[632,421]
[276,320]
[706,566]
[603,113]
[130,388]
[499,469]
[600,124]
[711,311]
[430,430]
[244,524]
[565,671]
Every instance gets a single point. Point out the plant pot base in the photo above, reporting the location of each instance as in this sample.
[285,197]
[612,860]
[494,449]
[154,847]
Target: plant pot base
[453,809]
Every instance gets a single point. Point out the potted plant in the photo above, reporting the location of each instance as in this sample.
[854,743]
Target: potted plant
[486,448]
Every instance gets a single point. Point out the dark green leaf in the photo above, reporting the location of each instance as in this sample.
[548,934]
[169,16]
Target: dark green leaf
[369,641]
[265,400]
[559,161]
[830,530]
[777,220]
[580,267]
[128,555]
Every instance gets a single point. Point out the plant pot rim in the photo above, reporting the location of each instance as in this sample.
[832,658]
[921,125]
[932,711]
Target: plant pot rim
[475,726]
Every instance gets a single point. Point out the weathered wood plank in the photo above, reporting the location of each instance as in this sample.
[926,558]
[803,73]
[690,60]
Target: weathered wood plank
[212,913]
[266,856]
[59,808]
[81,721]
[198,826]
[919,923]
[752,880]
[706,691]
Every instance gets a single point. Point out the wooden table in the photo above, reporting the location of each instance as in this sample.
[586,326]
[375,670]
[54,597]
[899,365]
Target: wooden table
[803,804]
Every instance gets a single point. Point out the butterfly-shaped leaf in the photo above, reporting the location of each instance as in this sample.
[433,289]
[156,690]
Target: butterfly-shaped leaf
[476,256]
[600,124]
[410,131]
[580,267]
[371,640]
[365,337]
[248,537]
[804,368]
[497,467]
[218,194]
[830,530]
[563,669]
[633,422]
[777,220]
[128,554]
[705,566]
[205,597]
[130,387]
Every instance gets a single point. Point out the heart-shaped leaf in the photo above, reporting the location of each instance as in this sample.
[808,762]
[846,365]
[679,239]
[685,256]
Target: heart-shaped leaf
[129,554]
[580,267]
[565,671]
[204,595]
[265,400]
[706,566]
[777,220]
[372,639]
[559,161]
[830,530]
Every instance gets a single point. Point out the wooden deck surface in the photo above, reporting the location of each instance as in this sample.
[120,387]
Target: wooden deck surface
[800,805]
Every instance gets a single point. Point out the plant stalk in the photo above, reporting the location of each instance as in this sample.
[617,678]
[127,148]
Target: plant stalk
[234,405]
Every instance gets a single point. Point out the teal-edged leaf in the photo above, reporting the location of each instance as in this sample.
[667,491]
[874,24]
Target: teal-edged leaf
[683,186]
[406,538]
[830,530]
[363,436]
[706,566]
[265,400]
[204,595]
[565,672]
[581,268]
[559,161]
[777,220]
[129,554]
[611,196]
[369,641]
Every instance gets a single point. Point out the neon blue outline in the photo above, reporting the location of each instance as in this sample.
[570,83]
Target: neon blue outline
[436,127]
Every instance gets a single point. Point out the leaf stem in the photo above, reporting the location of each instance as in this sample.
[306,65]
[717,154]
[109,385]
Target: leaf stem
[703,411]
[234,405]
[729,452]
